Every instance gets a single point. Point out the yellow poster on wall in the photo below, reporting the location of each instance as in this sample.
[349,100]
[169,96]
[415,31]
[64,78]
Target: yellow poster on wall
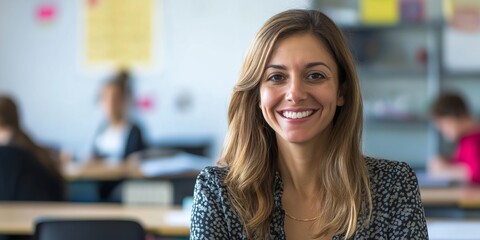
[380,11]
[119,31]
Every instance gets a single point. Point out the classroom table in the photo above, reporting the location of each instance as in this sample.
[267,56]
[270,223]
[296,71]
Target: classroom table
[102,171]
[98,170]
[462,196]
[18,218]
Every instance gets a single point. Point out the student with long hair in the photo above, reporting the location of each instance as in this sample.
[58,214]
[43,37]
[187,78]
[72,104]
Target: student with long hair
[13,135]
[292,165]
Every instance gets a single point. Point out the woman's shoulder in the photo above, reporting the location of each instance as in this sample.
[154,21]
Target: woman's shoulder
[212,176]
[377,164]
[397,211]
[388,172]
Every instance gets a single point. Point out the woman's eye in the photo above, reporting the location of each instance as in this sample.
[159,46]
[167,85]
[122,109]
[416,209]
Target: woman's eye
[275,78]
[316,76]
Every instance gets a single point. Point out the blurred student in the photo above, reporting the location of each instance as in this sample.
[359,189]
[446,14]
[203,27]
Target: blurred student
[13,140]
[455,122]
[119,136]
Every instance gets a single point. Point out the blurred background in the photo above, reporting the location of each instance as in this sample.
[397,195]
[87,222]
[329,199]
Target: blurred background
[182,82]
[184,56]
[55,56]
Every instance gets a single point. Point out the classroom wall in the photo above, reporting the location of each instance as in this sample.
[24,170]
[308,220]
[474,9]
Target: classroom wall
[198,50]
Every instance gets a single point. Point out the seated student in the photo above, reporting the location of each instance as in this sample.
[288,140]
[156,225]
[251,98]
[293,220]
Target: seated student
[27,172]
[11,134]
[455,122]
[119,136]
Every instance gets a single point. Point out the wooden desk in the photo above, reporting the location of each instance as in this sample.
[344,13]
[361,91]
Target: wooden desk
[460,196]
[100,171]
[88,176]
[19,218]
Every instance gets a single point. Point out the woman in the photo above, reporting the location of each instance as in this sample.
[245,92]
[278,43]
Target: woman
[455,122]
[292,165]
[119,137]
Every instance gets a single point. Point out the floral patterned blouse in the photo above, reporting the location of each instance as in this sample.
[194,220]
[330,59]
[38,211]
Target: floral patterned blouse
[397,209]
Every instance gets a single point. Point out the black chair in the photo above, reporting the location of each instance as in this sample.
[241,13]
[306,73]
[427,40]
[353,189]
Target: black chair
[88,229]
[24,178]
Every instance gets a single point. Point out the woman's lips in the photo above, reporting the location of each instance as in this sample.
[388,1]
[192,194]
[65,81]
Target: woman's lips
[297,114]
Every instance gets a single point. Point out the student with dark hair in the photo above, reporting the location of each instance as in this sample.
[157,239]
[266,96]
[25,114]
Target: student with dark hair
[119,136]
[453,119]
[16,144]
[11,134]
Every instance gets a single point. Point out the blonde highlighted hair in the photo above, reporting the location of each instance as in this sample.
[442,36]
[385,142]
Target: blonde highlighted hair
[251,152]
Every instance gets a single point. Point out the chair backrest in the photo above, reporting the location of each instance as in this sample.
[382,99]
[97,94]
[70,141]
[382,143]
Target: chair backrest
[82,229]
[24,178]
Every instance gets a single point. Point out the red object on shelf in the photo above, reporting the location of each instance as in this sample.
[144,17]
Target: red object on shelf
[421,56]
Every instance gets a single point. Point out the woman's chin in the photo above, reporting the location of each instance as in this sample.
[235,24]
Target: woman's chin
[297,138]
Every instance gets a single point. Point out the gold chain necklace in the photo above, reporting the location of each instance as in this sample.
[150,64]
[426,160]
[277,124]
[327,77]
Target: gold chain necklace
[300,219]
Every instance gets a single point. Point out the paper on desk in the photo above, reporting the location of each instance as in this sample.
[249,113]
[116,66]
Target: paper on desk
[178,163]
[178,218]
[458,230]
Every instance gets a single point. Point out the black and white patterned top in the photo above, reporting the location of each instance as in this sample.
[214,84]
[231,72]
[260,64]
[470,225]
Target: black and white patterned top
[397,209]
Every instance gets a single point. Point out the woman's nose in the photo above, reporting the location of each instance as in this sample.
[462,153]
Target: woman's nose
[296,91]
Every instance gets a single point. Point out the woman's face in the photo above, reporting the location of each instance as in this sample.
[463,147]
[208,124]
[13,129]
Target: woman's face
[299,92]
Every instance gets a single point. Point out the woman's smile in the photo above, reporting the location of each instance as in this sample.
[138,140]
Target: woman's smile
[297,114]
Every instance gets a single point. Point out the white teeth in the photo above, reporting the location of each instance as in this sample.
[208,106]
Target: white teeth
[297,115]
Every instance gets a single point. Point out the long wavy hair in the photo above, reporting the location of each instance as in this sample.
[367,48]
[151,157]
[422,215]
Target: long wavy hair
[10,118]
[250,150]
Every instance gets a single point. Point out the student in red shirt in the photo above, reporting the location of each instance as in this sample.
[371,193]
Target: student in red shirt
[455,122]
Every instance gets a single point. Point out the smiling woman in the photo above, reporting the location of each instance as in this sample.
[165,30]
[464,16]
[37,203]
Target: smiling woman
[300,91]
[292,165]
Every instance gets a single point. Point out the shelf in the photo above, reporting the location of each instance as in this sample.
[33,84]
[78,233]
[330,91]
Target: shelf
[391,71]
[402,26]
[397,119]
[461,74]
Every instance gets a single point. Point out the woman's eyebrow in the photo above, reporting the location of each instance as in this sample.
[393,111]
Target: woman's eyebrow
[308,65]
[280,67]
[313,64]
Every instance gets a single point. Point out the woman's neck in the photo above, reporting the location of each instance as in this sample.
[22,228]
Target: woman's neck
[298,165]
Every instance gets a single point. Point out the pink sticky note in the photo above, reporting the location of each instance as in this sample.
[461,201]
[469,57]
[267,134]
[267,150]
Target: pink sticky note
[46,12]
[145,103]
